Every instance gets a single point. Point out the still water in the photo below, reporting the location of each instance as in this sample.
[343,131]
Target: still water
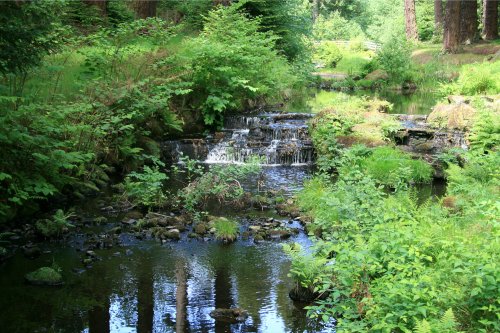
[148,287]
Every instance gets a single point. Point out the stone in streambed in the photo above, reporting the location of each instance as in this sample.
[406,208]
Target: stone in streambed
[233,315]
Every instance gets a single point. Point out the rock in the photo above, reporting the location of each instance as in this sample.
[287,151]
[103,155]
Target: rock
[87,261]
[254,228]
[91,254]
[134,215]
[201,228]
[280,234]
[457,99]
[233,315]
[192,235]
[173,234]
[452,116]
[378,74]
[212,230]
[129,221]
[31,251]
[305,295]
[44,276]
[100,220]
[258,238]
[128,252]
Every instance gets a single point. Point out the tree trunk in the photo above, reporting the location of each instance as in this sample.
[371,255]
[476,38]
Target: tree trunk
[145,8]
[101,4]
[452,26]
[469,22]
[221,2]
[490,11]
[411,20]
[315,10]
[438,15]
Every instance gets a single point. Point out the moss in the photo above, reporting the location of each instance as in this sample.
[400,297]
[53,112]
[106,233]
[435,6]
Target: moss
[45,276]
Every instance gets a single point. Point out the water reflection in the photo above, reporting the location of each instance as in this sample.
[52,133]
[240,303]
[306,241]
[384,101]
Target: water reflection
[156,289]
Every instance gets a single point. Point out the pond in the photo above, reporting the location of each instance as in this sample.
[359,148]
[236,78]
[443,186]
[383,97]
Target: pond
[419,102]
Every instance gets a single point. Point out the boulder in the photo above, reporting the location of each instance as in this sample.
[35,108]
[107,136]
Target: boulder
[201,228]
[458,99]
[233,315]
[31,251]
[452,116]
[378,74]
[173,234]
[44,276]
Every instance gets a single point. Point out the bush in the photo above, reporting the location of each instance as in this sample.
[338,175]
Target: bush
[476,79]
[146,188]
[231,63]
[56,226]
[391,264]
[395,59]
[226,230]
[328,53]
[221,183]
[392,167]
[335,27]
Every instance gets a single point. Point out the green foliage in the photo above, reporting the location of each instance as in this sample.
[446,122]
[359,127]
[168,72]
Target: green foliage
[485,132]
[39,158]
[220,183]
[392,167]
[232,62]
[146,188]
[446,324]
[392,265]
[56,226]
[225,229]
[289,20]
[394,58]
[335,27]
[29,30]
[328,53]
[483,78]
[45,276]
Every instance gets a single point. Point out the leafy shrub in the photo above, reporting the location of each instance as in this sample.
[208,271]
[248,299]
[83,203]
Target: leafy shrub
[329,53]
[226,230]
[146,188]
[220,183]
[475,79]
[392,167]
[231,63]
[39,158]
[395,59]
[56,226]
[390,264]
[335,27]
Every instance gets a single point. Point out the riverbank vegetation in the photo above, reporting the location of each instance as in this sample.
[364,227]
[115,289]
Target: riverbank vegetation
[90,91]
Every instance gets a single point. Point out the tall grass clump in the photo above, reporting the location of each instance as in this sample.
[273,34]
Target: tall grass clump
[226,230]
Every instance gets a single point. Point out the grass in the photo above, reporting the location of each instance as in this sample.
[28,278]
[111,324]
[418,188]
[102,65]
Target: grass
[226,230]
[44,276]
[389,166]
[352,63]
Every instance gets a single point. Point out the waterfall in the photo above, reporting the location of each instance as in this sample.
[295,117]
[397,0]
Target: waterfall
[278,139]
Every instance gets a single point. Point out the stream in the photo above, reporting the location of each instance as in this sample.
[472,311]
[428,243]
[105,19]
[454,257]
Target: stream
[142,285]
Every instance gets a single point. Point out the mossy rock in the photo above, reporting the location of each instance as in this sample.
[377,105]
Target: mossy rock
[452,116]
[376,75]
[44,276]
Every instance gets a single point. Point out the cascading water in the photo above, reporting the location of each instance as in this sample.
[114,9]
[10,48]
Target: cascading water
[277,139]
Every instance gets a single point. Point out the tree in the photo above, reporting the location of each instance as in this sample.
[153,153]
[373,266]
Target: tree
[101,4]
[452,26]
[315,9]
[438,15]
[411,20]
[145,8]
[490,19]
[469,21]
